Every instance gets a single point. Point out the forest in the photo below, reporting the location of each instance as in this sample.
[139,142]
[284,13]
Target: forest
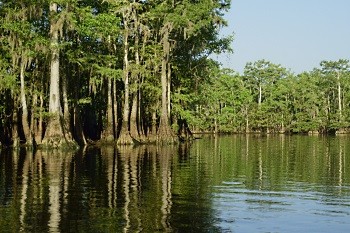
[74,72]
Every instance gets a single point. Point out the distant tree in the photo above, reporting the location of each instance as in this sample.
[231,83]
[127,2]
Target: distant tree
[334,73]
[307,101]
[261,77]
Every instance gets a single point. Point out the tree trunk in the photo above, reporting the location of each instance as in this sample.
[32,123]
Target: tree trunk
[165,133]
[152,134]
[246,120]
[25,124]
[140,124]
[66,114]
[124,137]
[339,98]
[77,123]
[260,95]
[215,126]
[15,135]
[184,133]
[37,123]
[78,128]
[134,130]
[115,109]
[108,134]
[32,117]
[169,88]
[133,119]
[54,135]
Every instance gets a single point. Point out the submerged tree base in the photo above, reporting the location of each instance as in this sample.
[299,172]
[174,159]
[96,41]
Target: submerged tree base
[167,140]
[58,143]
[184,132]
[167,137]
[125,139]
[55,138]
[107,140]
[151,139]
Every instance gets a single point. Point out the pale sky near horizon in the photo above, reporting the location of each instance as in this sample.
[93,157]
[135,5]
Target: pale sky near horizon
[298,34]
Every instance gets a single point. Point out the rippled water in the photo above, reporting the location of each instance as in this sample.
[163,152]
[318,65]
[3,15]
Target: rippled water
[216,184]
[242,210]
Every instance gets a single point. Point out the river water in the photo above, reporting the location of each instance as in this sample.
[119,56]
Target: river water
[215,184]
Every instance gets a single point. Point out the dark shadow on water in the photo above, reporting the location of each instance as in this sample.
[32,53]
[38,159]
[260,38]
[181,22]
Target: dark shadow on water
[102,189]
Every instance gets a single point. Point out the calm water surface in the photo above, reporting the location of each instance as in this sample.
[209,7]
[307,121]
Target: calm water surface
[222,184]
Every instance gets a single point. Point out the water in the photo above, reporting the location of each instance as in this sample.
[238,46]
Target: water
[222,184]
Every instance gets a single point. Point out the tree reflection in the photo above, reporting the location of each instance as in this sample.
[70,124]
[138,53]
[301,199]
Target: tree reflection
[166,154]
[23,199]
[130,156]
[57,167]
[157,189]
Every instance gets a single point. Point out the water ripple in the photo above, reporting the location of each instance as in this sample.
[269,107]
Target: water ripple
[238,207]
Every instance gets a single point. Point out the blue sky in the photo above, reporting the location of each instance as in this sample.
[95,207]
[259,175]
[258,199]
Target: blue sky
[297,34]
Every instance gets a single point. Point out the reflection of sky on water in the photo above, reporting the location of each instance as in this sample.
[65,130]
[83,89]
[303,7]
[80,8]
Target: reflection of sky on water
[243,210]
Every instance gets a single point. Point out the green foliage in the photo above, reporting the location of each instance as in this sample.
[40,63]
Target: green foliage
[7,82]
[296,103]
[86,100]
[107,72]
[265,98]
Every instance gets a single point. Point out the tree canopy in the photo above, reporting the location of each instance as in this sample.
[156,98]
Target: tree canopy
[77,71]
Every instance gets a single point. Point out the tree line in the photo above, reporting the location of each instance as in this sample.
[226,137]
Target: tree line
[268,98]
[127,71]
[74,71]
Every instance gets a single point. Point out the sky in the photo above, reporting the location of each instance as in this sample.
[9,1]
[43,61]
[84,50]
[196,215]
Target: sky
[297,34]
